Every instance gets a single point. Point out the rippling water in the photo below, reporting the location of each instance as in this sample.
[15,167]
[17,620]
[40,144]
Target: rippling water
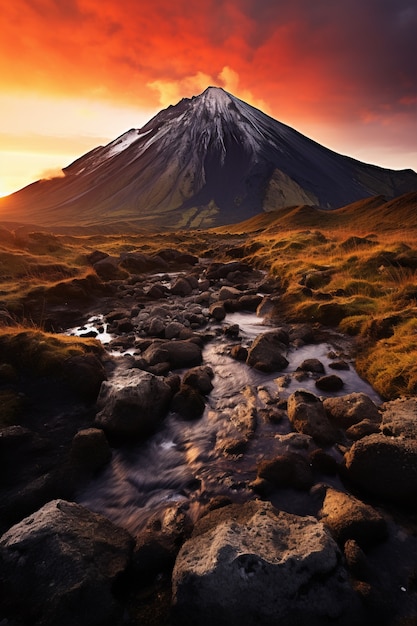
[191,462]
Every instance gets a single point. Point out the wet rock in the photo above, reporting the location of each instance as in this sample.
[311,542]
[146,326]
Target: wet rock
[399,418]
[90,450]
[133,404]
[183,353]
[307,415]
[286,470]
[217,311]
[238,352]
[229,293]
[312,365]
[266,352]
[348,518]
[124,325]
[329,383]
[362,429]
[249,302]
[385,467]
[250,564]
[58,566]
[200,378]
[339,365]
[351,409]
[173,330]
[188,403]
[156,327]
[181,287]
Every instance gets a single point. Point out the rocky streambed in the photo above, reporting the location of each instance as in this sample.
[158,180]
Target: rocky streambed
[233,469]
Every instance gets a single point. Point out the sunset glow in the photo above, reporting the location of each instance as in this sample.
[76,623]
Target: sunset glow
[75,74]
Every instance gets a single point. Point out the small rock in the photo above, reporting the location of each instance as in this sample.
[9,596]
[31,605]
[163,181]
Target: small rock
[351,409]
[329,383]
[312,365]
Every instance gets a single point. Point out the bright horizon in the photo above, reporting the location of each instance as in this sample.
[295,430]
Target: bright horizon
[77,74]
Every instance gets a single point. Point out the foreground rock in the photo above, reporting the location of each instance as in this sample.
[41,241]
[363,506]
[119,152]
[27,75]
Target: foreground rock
[351,409]
[251,564]
[267,351]
[308,416]
[133,404]
[349,518]
[385,467]
[59,565]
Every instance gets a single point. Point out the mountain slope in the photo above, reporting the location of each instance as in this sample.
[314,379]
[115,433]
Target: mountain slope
[209,160]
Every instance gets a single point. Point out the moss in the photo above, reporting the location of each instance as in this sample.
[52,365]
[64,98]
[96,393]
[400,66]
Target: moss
[42,353]
[390,365]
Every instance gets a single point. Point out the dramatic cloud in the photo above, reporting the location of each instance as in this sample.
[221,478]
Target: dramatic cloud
[309,64]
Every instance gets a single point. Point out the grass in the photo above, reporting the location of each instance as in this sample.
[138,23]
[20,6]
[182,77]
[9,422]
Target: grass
[350,273]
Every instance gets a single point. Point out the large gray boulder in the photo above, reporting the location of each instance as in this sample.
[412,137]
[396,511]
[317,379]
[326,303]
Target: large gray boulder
[251,564]
[267,351]
[385,467]
[307,415]
[58,566]
[132,404]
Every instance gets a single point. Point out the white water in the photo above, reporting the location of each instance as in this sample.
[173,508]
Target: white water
[185,462]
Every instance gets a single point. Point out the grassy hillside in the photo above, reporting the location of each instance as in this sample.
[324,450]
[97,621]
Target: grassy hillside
[354,269]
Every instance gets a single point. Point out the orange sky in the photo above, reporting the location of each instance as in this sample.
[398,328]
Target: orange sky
[77,73]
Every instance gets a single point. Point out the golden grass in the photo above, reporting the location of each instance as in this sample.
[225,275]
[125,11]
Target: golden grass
[353,269]
[39,353]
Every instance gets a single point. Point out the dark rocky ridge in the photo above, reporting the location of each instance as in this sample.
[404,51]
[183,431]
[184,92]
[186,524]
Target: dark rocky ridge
[207,161]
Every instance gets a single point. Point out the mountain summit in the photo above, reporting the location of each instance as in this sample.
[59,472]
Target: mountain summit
[209,160]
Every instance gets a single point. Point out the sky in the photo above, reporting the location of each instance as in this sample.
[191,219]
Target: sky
[75,74]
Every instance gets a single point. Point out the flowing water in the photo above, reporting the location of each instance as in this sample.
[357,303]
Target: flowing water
[191,462]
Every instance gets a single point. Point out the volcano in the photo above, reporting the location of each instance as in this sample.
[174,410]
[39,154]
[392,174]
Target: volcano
[207,161]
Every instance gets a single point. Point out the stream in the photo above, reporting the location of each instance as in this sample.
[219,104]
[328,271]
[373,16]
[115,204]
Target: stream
[189,463]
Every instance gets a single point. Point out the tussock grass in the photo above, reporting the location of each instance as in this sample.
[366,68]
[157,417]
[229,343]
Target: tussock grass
[40,354]
[354,269]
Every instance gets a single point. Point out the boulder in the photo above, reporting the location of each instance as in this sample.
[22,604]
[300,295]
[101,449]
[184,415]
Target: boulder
[181,287]
[217,311]
[348,518]
[59,565]
[351,409]
[385,467]
[183,353]
[312,365]
[362,429]
[133,404]
[399,418]
[188,403]
[307,415]
[251,564]
[329,383]
[90,449]
[200,378]
[229,293]
[266,352]
[285,470]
